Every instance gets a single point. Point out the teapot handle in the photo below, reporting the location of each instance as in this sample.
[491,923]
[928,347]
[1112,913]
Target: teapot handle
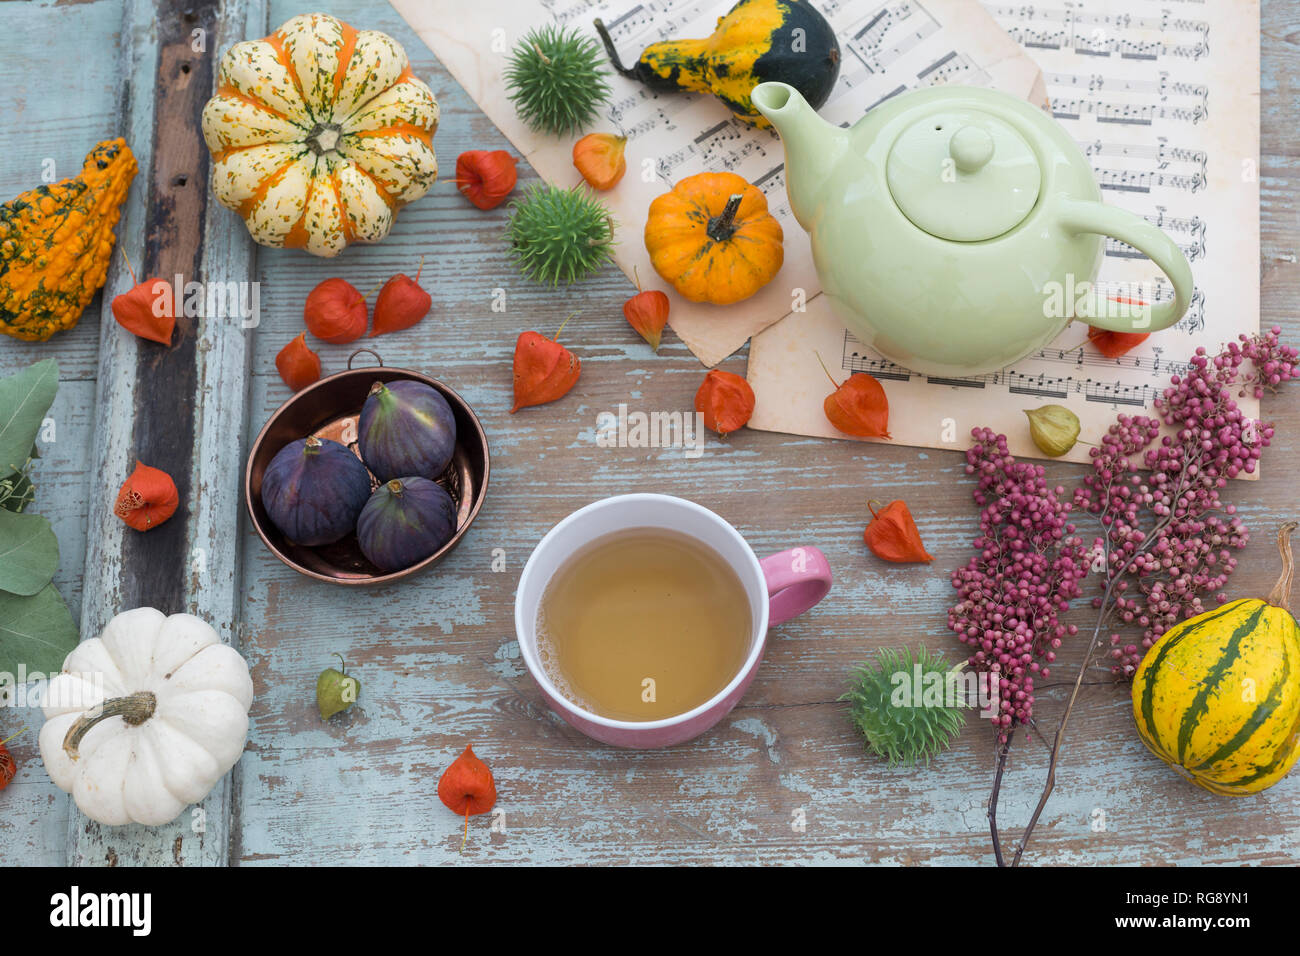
[1116,316]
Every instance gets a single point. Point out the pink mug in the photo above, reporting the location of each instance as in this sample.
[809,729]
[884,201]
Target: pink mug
[779,587]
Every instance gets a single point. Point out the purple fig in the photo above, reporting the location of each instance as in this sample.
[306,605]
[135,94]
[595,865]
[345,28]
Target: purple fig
[405,521]
[406,429]
[313,491]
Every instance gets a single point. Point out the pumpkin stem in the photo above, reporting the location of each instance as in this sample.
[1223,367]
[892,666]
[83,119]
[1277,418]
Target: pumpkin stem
[1280,596]
[723,227]
[324,138]
[606,39]
[134,709]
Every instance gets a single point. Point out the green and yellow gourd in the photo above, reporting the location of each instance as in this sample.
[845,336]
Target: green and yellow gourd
[1218,696]
[758,41]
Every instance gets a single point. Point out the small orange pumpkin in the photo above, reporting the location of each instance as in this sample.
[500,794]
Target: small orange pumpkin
[713,239]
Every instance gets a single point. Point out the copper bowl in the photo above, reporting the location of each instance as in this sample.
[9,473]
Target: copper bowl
[330,409]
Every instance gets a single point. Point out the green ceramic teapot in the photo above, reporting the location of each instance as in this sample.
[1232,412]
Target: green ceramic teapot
[958,229]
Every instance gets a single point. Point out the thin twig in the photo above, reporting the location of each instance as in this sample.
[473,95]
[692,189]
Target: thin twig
[1041,736]
[1050,783]
[993,801]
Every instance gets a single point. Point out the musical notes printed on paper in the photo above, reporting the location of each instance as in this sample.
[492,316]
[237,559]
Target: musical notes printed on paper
[888,47]
[1075,371]
[1147,89]
[1072,29]
[1160,96]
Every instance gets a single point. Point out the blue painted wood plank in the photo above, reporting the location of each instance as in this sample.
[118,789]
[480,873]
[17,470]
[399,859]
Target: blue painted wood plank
[440,668]
[191,564]
[54,116]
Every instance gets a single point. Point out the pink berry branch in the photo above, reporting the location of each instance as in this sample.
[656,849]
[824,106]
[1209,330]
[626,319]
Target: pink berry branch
[1166,547]
[1027,568]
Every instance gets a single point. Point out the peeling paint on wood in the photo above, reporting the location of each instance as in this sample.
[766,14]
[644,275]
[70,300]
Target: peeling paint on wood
[179,408]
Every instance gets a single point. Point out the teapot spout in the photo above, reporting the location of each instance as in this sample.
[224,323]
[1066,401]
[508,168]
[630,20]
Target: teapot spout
[813,147]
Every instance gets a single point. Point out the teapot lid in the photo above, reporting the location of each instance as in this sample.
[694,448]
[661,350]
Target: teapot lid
[963,174]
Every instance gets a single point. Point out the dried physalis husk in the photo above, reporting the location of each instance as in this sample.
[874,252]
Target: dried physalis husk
[1054,429]
[467,787]
[147,498]
[1114,344]
[858,406]
[892,534]
[486,177]
[647,313]
[401,303]
[297,364]
[599,157]
[544,370]
[725,400]
[147,310]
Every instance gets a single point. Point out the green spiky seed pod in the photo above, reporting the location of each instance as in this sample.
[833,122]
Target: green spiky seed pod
[897,726]
[559,235]
[555,80]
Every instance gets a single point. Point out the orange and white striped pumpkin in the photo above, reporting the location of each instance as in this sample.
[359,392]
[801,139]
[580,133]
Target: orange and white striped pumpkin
[319,133]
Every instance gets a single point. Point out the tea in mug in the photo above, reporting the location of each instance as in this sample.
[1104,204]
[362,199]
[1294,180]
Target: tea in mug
[643,624]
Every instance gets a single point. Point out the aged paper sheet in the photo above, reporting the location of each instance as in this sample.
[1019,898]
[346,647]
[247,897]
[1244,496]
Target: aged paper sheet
[886,46]
[1162,96]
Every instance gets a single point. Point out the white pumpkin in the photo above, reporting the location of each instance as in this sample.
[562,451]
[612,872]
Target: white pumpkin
[319,133]
[173,720]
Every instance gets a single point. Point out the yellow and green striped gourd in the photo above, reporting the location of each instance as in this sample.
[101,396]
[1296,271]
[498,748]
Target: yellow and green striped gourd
[1218,696]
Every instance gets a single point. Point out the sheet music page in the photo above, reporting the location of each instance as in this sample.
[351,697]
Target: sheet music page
[1163,98]
[887,46]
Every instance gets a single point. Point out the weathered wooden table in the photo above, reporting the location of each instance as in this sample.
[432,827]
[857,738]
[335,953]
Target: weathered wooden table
[436,656]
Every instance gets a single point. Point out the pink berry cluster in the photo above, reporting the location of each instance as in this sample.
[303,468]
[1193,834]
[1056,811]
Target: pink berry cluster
[1170,537]
[1027,567]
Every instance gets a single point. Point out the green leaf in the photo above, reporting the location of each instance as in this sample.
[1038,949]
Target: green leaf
[24,399]
[17,491]
[36,632]
[29,553]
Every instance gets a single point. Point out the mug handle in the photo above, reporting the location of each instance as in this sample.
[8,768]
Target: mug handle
[796,580]
[1105,313]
